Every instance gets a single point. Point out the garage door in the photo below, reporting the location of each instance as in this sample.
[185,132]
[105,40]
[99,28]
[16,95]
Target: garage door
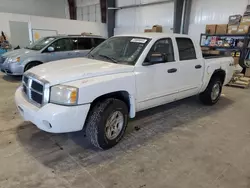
[137,19]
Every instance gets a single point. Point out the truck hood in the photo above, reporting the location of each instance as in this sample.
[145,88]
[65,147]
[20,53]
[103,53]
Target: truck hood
[62,71]
[19,53]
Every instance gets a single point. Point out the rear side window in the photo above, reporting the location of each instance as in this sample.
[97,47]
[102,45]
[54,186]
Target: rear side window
[84,43]
[186,49]
[97,41]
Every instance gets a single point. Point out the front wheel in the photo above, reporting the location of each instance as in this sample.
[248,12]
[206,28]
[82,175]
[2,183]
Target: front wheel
[106,123]
[212,93]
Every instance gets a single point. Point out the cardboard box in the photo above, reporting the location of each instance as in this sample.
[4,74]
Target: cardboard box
[214,52]
[243,29]
[221,29]
[234,19]
[211,29]
[147,30]
[247,73]
[236,60]
[205,52]
[157,28]
[232,29]
[205,48]
[245,20]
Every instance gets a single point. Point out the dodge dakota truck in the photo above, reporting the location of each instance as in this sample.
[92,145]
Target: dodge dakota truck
[120,77]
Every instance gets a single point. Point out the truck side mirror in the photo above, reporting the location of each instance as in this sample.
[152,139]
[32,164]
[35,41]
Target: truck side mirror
[155,58]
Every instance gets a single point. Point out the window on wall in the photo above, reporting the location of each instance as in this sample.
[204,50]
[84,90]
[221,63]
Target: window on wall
[89,12]
[186,49]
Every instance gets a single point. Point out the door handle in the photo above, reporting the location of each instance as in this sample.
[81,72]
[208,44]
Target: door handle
[198,66]
[172,70]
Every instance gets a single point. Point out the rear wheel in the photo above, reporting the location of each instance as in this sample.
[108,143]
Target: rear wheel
[106,123]
[31,65]
[213,92]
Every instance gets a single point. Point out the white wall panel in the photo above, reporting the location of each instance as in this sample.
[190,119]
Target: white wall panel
[139,18]
[63,26]
[47,8]
[213,12]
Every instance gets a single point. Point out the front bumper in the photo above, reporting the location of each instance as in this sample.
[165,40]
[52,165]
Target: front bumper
[51,117]
[12,68]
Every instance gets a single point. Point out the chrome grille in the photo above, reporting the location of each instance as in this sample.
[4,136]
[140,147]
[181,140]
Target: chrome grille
[36,90]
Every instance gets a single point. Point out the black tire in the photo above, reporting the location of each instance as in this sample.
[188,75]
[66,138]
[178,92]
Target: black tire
[31,65]
[206,96]
[96,122]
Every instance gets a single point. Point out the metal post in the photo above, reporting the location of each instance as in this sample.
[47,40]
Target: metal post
[178,8]
[111,18]
[186,17]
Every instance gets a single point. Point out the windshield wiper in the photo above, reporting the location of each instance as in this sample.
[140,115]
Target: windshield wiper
[109,58]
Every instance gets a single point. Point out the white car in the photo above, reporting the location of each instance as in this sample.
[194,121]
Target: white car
[123,75]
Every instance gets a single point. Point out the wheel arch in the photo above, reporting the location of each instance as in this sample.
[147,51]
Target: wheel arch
[31,62]
[219,73]
[124,96]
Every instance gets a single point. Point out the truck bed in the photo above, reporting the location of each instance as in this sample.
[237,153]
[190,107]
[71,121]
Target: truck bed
[211,56]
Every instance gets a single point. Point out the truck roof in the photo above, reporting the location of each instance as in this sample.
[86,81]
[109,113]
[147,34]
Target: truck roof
[154,35]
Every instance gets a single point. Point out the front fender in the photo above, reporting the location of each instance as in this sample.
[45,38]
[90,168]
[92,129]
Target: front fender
[31,59]
[92,88]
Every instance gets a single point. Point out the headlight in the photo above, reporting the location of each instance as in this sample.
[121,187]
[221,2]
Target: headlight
[65,95]
[14,60]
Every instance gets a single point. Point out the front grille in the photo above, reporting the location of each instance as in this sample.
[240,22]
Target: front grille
[37,87]
[33,89]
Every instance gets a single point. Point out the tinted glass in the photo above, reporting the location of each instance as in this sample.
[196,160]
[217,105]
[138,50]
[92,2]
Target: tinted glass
[62,45]
[74,42]
[84,43]
[97,41]
[186,49]
[165,47]
[121,50]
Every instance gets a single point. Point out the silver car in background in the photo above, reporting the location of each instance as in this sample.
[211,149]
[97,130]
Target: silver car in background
[47,49]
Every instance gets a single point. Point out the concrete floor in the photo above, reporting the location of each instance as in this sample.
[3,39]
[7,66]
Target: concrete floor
[184,144]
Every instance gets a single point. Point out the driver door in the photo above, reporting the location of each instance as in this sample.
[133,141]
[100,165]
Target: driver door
[157,83]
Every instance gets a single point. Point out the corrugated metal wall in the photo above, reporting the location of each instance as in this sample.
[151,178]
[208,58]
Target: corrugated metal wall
[213,12]
[47,8]
[139,18]
[88,10]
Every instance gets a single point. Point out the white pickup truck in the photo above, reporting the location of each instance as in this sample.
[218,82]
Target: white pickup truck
[123,75]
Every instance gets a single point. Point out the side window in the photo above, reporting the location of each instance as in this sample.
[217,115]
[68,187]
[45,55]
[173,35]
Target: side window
[62,45]
[186,49]
[84,43]
[165,47]
[74,42]
[97,41]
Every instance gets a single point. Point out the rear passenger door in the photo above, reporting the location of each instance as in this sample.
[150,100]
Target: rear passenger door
[190,68]
[84,46]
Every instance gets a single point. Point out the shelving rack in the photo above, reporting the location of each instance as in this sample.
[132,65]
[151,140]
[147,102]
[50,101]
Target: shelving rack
[244,50]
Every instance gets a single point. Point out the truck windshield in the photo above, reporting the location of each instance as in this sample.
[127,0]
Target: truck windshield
[41,43]
[121,50]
